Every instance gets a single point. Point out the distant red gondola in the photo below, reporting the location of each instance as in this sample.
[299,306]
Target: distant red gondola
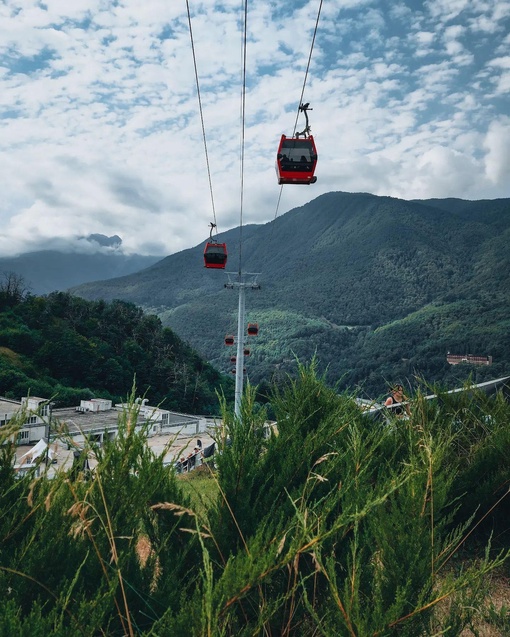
[253,329]
[233,359]
[215,253]
[297,156]
[246,352]
[229,339]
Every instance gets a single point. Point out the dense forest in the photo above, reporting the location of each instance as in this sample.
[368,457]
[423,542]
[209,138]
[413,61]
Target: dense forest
[65,348]
[335,524]
[379,288]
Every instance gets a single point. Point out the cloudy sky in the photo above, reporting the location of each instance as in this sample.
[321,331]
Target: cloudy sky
[100,129]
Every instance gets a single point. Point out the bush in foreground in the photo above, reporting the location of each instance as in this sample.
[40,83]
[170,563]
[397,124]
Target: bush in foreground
[335,525]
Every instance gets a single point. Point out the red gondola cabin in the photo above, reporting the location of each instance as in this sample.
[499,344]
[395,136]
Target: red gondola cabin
[296,160]
[215,255]
[253,329]
[247,352]
[229,339]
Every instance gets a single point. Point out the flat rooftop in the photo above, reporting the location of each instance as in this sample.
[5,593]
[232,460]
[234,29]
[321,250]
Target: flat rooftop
[77,421]
[8,407]
[99,421]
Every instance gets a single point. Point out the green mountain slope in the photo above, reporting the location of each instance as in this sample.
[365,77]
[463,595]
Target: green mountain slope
[336,271]
[65,348]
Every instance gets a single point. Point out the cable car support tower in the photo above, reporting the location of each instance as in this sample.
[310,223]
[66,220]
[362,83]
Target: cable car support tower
[242,281]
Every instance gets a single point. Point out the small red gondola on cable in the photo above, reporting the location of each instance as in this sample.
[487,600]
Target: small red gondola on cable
[215,253]
[229,339]
[253,329]
[233,359]
[297,156]
[247,352]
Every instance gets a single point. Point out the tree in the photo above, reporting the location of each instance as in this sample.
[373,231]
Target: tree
[13,288]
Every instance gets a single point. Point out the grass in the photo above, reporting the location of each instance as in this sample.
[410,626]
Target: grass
[10,356]
[493,618]
[201,486]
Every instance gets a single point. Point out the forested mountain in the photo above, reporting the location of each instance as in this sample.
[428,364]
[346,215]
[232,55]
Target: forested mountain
[67,349]
[378,287]
[48,271]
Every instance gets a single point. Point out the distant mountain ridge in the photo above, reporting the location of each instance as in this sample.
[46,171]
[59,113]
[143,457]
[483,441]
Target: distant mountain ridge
[342,276]
[111,242]
[46,271]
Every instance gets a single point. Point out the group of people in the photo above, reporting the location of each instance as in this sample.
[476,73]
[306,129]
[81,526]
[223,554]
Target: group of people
[192,460]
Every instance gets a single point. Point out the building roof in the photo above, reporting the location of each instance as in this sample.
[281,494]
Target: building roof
[87,422]
[8,406]
[99,421]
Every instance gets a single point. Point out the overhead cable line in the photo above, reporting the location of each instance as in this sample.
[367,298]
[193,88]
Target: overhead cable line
[308,65]
[243,126]
[201,115]
[302,94]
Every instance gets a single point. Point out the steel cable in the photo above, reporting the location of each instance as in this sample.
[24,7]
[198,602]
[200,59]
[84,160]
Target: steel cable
[201,115]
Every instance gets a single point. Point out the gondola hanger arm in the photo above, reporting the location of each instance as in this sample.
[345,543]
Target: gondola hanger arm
[304,108]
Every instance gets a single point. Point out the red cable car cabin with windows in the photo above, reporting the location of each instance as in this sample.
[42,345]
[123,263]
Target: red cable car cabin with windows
[296,160]
[229,339]
[297,155]
[215,255]
[253,329]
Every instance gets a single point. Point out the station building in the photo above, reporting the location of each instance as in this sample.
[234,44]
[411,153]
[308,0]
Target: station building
[94,420]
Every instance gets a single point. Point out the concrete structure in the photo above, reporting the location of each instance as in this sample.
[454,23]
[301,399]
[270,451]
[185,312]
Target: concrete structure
[489,387]
[95,420]
[35,413]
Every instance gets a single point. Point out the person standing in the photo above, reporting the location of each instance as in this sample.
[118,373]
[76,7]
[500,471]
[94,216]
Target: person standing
[397,397]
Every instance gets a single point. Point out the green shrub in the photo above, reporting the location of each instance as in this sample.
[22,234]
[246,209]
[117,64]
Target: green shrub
[336,524]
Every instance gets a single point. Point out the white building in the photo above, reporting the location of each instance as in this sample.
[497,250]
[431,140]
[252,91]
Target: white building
[94,420]
[35,412]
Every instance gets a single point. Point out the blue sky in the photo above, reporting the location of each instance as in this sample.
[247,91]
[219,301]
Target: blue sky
[100,129]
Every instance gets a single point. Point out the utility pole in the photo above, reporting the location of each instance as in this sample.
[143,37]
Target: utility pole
[49,414]
[244,280]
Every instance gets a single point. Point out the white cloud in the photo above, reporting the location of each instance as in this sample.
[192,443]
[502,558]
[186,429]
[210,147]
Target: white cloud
[500,74]
[100,129]
[424,42]
[447,10]
[497,144]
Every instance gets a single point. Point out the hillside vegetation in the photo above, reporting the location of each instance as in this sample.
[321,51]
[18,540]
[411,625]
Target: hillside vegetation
[380,288]
[68,349]
[338,525]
